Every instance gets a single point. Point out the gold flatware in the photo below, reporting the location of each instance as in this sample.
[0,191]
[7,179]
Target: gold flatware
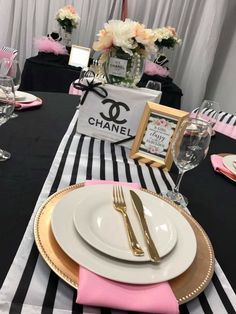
[154,256]
[120,205]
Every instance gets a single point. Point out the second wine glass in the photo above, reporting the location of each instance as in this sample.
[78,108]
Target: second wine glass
[7,105]
[189,147]
[12,69]
[209,111]
[153,85]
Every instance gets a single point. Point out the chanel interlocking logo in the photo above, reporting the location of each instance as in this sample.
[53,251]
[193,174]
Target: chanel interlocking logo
[114,111]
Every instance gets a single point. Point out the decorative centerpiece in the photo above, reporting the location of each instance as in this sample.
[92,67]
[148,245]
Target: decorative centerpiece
[68,18]
[166,37]
[124,46]
[50,44]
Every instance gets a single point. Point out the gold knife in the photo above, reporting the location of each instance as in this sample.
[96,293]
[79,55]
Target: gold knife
[140,211]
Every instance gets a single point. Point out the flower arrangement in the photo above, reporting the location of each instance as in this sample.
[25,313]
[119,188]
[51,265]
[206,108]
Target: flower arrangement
[125,45]
[68,18]
[128,36]
[166,37]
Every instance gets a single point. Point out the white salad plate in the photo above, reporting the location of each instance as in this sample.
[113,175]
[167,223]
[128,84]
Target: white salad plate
[103,227]
[170,266]
[24,97]
[228,162]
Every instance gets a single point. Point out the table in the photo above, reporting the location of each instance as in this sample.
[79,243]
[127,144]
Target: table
[33,140]
[171,93]
[49,73]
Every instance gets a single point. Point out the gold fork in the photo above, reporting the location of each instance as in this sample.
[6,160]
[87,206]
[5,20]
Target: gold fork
[120,206]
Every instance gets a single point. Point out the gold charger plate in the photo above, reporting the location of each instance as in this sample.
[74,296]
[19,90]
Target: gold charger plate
[185,287]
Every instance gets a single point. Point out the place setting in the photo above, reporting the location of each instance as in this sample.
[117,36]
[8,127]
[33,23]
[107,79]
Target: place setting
[225,164]
[79,230]
[26,100]
[23,100]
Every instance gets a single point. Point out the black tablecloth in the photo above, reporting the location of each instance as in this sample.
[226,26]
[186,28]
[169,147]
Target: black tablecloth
[49,73]
[171,93]
[33,139]
[212,202]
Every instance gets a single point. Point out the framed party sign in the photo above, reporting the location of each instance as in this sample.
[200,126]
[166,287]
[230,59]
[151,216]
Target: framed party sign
[79,56]
[152,141]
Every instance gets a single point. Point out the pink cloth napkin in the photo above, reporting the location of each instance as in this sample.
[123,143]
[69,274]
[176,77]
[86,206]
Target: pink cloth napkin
[217,163]
[74,91]
[152,68]
[25,105]
[95,290]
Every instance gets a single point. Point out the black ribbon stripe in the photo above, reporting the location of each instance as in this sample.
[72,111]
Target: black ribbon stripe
[90,87]
[124,140]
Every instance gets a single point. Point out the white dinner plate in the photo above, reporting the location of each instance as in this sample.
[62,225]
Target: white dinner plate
[171,266]
[24,97]
[228,163]
[103,227]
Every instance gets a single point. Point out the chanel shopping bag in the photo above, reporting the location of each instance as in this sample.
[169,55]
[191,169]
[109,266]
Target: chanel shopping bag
[110,112]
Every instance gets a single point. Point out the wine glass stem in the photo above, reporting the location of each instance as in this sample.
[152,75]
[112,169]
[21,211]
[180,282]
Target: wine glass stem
[179,179]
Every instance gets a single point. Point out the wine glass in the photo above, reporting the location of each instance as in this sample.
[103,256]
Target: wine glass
[15,73]
[153,85]
[209,111]
[189,147]
[12,68]
[7,105]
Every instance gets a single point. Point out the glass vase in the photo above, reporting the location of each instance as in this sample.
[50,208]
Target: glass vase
[123,69]
[66,37]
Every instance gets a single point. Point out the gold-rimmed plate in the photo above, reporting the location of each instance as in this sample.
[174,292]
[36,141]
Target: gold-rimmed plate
[185,287]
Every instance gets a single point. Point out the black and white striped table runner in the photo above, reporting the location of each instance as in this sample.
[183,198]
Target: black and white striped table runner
[31,287]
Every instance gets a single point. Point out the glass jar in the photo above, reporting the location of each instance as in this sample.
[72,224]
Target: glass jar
[123,69]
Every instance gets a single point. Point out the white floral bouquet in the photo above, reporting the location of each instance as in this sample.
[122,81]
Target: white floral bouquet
[166,37]
[68,18]
[128,36]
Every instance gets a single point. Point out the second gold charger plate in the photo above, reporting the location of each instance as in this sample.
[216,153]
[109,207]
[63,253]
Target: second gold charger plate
[185,287]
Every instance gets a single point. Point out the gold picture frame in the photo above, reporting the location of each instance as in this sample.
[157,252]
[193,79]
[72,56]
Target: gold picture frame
[152,141]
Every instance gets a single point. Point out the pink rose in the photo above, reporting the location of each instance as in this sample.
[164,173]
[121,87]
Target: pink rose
[70,8]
